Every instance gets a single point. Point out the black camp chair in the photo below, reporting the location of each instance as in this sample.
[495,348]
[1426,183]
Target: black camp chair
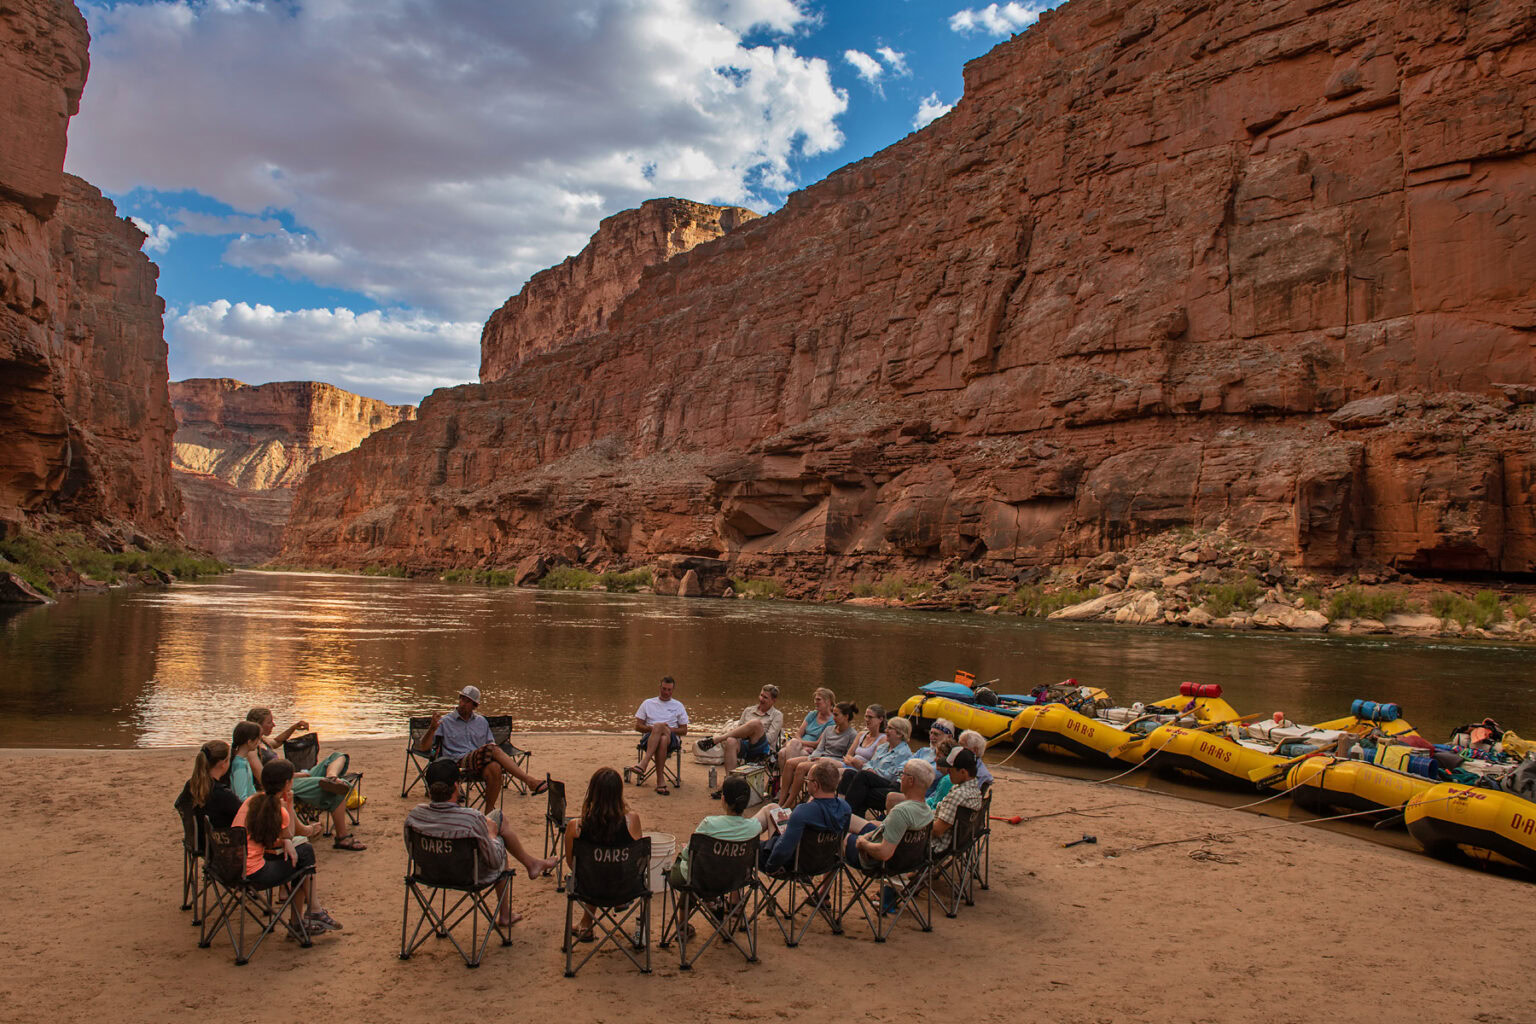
[193,884]
[672,764]
[555,823]
[906,876]
[434,868]
[981,866]
[956,867]
[614,883]
[722,889]
[809,883]
[416,760]
[303,752]
[235,900]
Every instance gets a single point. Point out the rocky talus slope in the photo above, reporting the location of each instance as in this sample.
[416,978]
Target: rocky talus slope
[241,449]
[1267,266]
[85,419]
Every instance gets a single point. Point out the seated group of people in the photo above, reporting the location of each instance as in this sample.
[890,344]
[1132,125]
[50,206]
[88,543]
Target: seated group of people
[246,783]
[869,760]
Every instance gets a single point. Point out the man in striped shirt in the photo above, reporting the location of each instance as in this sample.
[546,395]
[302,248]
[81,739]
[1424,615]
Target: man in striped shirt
[446,818]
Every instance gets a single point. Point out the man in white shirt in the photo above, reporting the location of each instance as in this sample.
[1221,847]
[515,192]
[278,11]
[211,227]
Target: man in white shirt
[664,722]
[755,733]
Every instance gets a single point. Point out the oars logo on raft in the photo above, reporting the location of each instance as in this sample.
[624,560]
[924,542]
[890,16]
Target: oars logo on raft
[1521,823]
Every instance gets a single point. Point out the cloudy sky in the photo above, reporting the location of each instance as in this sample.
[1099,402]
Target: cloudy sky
[344,190]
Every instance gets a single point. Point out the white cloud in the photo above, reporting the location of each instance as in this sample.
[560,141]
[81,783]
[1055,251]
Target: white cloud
[190,222]
[896,59]
[397,356]
[160,235]
[868,67]
[996,19]
[433,154]
[929,109]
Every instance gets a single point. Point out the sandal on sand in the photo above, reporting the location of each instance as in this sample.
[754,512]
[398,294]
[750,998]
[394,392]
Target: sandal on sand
[349,842]
[663,791]
[582,934]
[323,919]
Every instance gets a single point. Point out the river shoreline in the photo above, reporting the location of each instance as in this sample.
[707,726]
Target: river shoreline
[1108,931]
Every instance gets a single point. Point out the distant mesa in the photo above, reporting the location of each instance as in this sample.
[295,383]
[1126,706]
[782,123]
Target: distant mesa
[240,450]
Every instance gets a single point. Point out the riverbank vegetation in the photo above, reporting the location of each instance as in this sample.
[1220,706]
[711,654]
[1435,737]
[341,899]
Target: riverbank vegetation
[54,562]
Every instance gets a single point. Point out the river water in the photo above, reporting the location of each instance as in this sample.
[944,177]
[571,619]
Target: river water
[355,655]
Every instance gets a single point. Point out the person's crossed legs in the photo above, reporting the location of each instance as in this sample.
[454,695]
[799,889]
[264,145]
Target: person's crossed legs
[731,743]
[658,745]
[535,866]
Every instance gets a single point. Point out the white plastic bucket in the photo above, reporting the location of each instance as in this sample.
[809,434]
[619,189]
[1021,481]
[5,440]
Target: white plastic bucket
[663,853]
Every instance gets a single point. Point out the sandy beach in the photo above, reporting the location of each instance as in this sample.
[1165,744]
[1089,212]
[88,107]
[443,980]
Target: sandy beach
[1291,924]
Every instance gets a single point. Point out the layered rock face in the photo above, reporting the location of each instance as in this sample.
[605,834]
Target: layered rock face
[240,450]
[85,420]
[577,299]
[1266,265]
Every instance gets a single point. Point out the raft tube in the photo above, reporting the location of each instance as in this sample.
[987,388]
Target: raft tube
[1448,817]
[992,722]
[1324,784]
[1102,739]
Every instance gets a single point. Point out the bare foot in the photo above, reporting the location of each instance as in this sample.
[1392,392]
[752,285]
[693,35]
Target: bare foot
[543,867]
[508,920]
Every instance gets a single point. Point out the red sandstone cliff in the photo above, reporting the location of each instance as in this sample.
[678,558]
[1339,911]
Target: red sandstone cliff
[1269,264]
[580,296]
[240,450]
[85,420]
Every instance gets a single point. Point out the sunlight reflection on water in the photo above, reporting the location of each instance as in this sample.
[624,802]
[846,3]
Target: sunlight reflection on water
[355,655]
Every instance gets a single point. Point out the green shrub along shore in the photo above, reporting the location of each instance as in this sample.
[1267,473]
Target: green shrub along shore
[55,562]
[1181,578]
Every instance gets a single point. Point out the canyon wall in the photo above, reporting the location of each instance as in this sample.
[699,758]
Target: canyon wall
[566,303]
[1268,266]
[85,418]
[240,451]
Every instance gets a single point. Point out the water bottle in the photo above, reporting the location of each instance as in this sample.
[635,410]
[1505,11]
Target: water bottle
[714,779]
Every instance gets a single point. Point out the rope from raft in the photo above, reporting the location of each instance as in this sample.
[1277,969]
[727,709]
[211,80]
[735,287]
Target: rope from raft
[1226,836]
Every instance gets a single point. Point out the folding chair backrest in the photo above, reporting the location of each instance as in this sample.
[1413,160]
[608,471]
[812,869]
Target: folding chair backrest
[966,828]
[911,853]
[226,853]
[718,866]
[189,836]
[609,876]
[442,862]
[501,728]
[418,728]
[303,752]
[554,813]
[820,851]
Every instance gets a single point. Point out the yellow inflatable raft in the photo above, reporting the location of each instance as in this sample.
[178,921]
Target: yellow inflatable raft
[922,709]
[1449,817]
[1326,783]
[1102,735]
[1242,754]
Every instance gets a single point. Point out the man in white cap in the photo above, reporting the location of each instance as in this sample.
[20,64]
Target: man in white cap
[467,738]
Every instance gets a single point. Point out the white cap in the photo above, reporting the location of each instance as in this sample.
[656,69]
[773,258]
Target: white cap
[472,692]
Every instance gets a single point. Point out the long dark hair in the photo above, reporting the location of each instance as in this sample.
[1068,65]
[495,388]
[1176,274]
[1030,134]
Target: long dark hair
[264,818]
[202,780]
[604,806]
[244,733]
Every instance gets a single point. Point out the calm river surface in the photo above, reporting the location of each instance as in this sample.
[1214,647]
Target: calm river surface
[355,655]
